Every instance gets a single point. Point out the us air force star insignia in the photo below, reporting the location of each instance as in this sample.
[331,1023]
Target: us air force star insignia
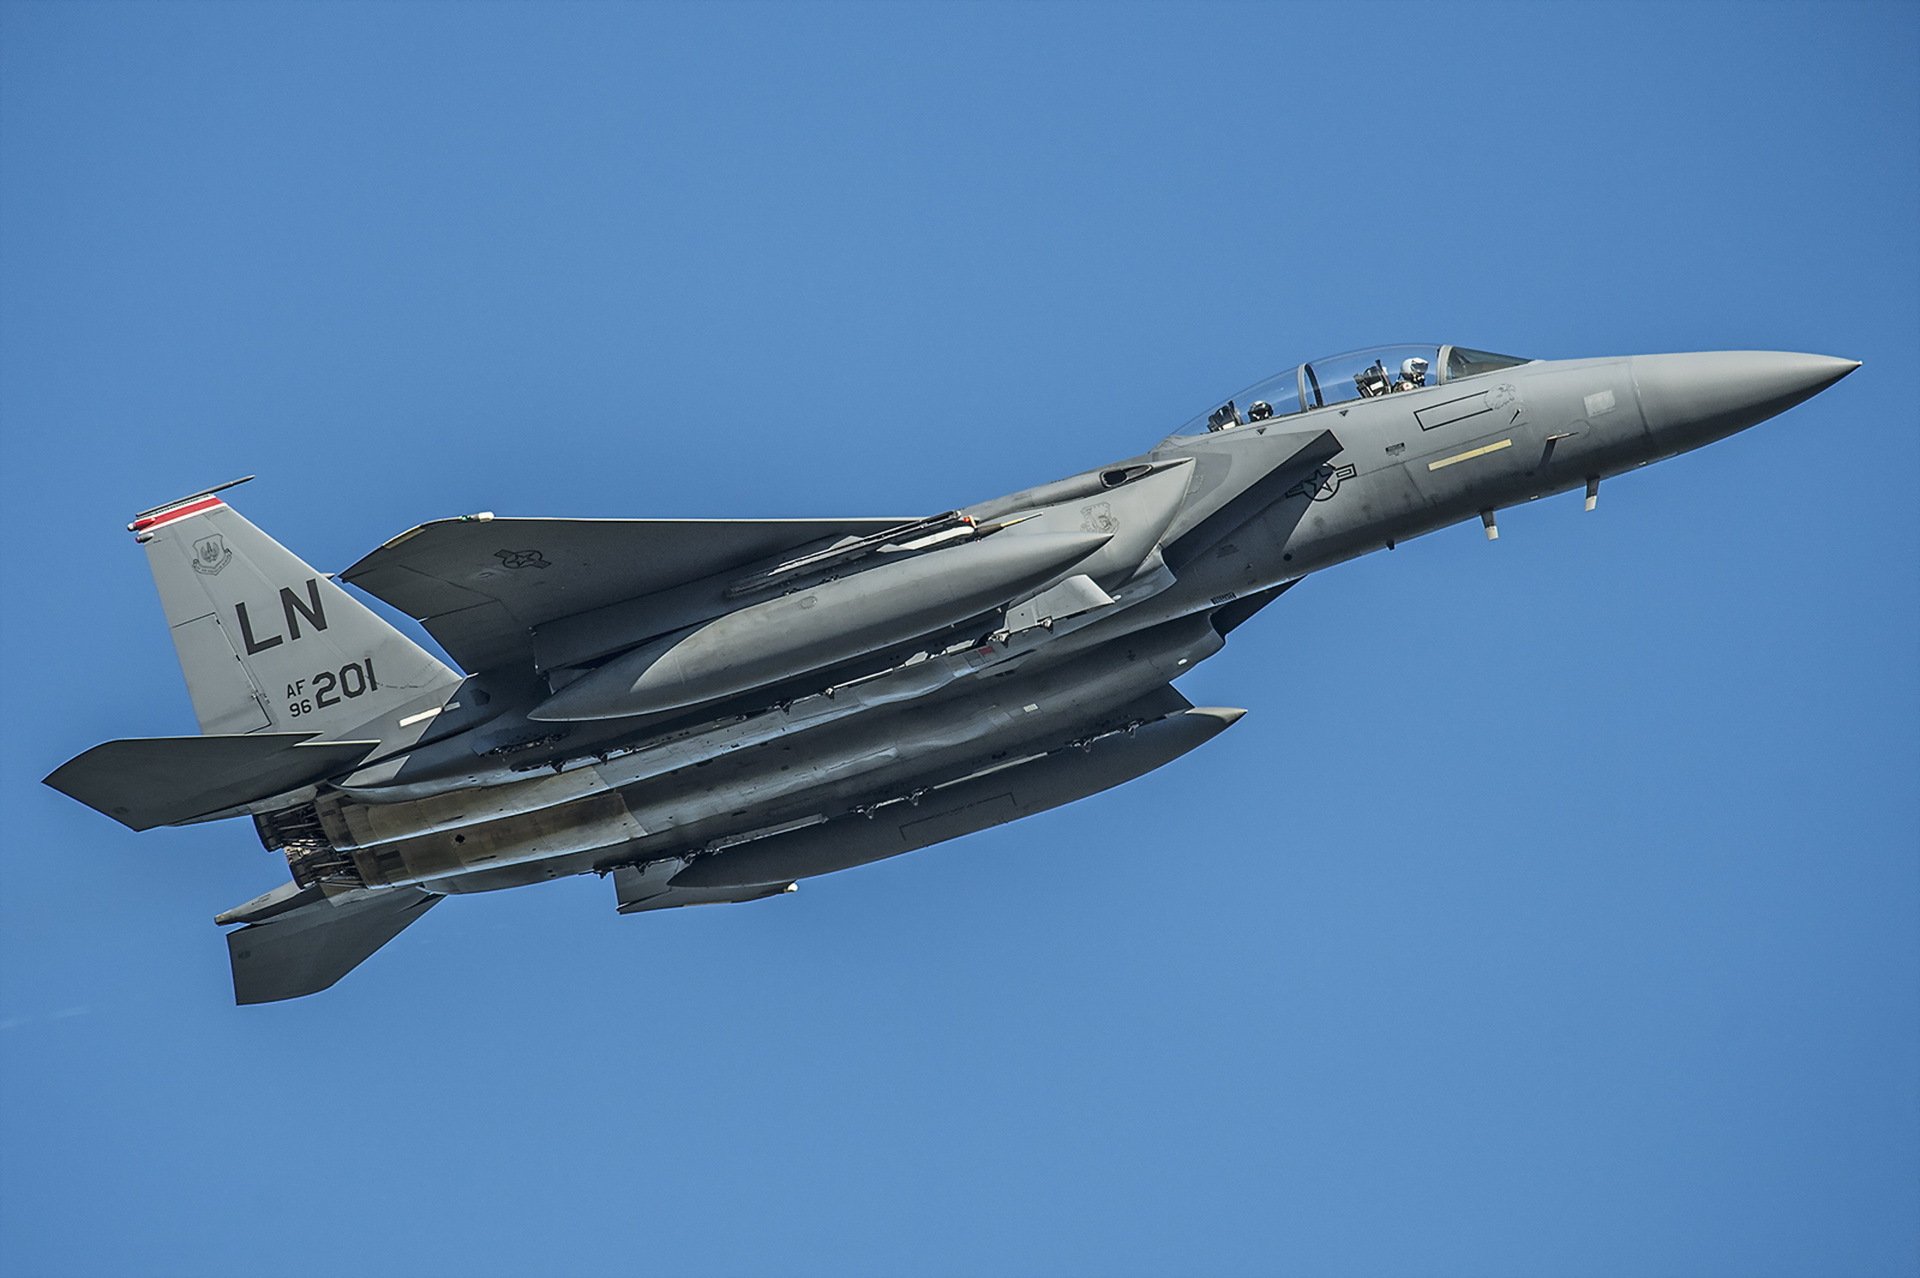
[522,558]
[1322,484]
[210,554]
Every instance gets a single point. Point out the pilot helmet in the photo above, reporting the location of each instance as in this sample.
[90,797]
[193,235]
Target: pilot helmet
[1414,370]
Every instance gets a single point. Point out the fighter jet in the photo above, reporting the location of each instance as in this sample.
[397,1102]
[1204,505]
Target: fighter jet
[708,711]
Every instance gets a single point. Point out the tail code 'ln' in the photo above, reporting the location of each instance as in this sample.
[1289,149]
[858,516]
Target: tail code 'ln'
[268,644]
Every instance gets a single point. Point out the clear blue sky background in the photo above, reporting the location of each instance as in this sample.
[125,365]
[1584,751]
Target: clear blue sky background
[1556,910]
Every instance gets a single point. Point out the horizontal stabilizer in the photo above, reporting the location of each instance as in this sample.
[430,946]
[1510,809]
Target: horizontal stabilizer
[306,949]
[149,781]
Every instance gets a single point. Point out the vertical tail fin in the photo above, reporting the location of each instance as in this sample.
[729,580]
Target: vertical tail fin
[266,642]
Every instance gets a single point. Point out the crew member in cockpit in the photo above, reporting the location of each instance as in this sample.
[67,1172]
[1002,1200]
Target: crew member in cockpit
[1413,374]
[1373,381]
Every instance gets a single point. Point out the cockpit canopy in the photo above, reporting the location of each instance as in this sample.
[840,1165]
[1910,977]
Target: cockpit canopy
[1337,379]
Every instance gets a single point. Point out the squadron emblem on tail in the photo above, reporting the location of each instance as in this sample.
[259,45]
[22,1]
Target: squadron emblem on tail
[210,555]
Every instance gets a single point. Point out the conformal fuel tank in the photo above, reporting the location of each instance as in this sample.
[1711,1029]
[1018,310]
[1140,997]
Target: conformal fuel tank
[976,803]
[833,621]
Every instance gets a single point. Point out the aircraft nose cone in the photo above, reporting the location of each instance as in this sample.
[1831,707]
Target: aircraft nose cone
[1709,394]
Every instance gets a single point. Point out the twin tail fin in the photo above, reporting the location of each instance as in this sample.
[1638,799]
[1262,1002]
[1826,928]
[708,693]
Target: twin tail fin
[293,680]
[267,643]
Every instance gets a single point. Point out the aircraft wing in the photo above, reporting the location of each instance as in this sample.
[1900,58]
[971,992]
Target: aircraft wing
[480,585]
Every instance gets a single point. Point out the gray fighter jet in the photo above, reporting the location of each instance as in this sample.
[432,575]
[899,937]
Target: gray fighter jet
[709,710]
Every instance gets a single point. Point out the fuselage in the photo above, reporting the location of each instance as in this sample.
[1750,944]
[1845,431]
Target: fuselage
[701,725]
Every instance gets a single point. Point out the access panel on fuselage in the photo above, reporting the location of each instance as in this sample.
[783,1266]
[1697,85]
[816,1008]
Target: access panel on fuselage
[1467,434]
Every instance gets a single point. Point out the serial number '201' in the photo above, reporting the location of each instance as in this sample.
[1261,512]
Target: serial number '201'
[331,687]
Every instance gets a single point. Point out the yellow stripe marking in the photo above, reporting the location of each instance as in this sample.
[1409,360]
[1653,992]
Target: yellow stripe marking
[1470,454]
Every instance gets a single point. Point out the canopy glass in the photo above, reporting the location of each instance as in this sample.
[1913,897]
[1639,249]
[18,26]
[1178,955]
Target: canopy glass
[1339,379]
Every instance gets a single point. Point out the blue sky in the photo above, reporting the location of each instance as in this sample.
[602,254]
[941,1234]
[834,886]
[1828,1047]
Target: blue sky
[1555,910]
